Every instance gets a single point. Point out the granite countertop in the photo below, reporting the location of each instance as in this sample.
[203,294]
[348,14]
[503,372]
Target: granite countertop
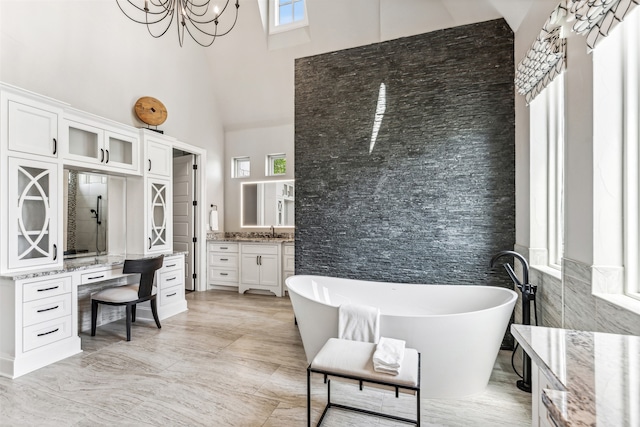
[84,263]
[595,376]
[213,236]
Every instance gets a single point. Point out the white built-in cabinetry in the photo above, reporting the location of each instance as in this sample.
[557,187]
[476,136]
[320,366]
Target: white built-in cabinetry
[150,198]
[33,126]
[100,144]
[539,413]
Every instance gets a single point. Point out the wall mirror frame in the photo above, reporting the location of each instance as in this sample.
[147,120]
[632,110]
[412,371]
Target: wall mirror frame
[267,203]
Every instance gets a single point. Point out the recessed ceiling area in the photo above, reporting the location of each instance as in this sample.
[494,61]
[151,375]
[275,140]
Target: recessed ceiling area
[255,84]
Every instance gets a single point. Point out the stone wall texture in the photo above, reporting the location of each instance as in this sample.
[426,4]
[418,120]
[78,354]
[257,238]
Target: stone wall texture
[434,198]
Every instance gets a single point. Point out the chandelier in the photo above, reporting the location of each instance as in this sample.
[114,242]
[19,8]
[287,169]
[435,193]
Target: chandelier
[199,18]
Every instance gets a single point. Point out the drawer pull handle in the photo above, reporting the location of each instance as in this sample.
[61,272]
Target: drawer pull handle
[50,332]
[47,309]
[171,295]
[49,289]
[224,259]
[224,248]
[224,274]
[171,278]
[172,265]
[96,277]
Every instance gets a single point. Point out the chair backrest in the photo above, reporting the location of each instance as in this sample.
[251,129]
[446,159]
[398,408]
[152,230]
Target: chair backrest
[147,269]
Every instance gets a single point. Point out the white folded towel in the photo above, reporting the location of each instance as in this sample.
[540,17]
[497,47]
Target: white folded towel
[388,355]
[359,323]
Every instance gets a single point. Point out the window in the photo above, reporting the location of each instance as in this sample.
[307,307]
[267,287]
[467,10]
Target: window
[276,164]
[241,167]
[616,95]
[547,169]
[290,12]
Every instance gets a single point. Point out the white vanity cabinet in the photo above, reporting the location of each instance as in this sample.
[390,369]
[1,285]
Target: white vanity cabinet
[539,414]
[31,219]
[29,126]
[222,264]
[38,323]
[100,144]
[260,267]
[158,154]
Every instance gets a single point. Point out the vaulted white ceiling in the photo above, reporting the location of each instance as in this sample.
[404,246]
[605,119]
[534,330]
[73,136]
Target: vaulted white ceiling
[255,84]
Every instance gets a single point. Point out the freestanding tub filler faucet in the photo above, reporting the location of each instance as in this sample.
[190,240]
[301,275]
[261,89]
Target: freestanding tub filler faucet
[528,295]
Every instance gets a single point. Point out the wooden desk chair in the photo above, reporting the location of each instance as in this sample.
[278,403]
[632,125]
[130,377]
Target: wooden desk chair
[130,295]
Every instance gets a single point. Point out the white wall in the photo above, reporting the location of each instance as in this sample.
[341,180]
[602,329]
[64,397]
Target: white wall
[256,143]
[88,54]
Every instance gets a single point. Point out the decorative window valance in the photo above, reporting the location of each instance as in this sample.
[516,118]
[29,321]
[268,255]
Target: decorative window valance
[596,18]
[546,57]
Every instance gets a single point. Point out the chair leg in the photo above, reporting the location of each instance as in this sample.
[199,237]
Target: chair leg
[154,311]
[129,322]
[133,312]
[94,316]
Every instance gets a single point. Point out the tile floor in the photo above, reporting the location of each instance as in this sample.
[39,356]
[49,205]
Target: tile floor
[231,360]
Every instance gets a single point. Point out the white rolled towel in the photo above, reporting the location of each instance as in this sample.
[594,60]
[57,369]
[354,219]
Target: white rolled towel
[388,355]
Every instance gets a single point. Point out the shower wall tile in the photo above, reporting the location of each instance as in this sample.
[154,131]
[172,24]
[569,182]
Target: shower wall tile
[429,196]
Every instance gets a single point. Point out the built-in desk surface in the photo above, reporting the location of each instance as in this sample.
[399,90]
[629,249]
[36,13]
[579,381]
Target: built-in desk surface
[595,376]
[83,263]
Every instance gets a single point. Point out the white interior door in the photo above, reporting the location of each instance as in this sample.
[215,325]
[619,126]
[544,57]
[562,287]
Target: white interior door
[183,211]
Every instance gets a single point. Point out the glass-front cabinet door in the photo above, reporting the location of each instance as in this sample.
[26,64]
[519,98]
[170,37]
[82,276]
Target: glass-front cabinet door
[159,238]
[33,214]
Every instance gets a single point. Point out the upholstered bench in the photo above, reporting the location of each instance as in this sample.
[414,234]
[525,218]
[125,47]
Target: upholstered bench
[352,361]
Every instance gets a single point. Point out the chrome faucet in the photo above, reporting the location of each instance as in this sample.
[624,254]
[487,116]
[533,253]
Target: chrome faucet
[273,231]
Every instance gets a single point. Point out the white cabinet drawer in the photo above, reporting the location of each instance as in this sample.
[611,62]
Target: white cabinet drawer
[260,249]
[45,309]
[222,275]
[101,275]
[172,263]
[46,333]
[223,247]
[46,288]
[171,295]
[289,250]
[171,278]
[223,260]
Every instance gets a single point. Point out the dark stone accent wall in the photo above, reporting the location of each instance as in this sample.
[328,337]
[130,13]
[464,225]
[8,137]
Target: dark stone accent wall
[435,199]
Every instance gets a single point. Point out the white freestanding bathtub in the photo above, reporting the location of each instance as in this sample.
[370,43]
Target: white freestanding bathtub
[457,329]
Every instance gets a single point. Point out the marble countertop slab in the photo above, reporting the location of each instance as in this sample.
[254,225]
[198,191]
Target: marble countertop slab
[595,376]
[84,263]
[254,239]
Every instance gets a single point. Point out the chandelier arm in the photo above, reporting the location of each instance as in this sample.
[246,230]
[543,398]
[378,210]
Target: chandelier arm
[192,8]
[146,22]
[216,34]
[213,37]
[216,17]
[165,29]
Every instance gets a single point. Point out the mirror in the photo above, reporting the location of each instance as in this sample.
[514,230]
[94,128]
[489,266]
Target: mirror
[85,213]
[267,203]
